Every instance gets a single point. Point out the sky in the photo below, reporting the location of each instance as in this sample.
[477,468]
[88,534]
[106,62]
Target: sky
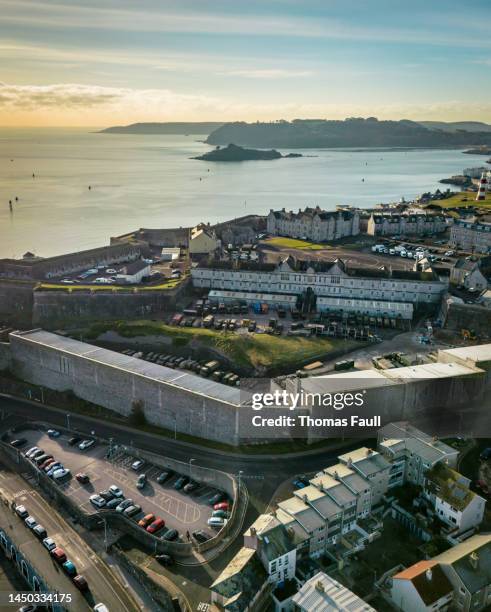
[111,62]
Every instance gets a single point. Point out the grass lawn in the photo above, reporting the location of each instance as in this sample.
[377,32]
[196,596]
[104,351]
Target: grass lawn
[293,243]
[168,284]
[464,198]
[248,350]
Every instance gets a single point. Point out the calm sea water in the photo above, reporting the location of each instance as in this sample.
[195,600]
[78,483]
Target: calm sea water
[150,181]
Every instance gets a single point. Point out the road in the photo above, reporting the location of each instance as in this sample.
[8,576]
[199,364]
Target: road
[104,587]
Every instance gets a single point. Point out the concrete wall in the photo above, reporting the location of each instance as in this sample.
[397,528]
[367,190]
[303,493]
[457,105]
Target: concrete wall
[54,309]
[165,405]
[16,302]
[5,361]
[467,316]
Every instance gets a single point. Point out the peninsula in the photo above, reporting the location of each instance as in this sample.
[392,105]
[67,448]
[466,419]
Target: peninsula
[164,128]
[233,153]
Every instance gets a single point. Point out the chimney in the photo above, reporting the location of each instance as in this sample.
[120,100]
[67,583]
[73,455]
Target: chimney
[474,559]
[349,463]
[336,476]
[319,586]
[429,574]
[305,498]
[369,452]
[253,531]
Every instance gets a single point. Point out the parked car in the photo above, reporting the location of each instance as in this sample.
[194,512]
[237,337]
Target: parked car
[18,443]
[485,454]
[31,451]
[37,454]
[100,607]
[156,525]
[298,484]
[51,469]
[58,555]
[106,495]
[132,510]
[217,498]
[30,522]
[217,522]
[48,461]
[40,532]
[141,481]
[81,583]
[86,444]
[74,440]
[180,482]
[201,536]
[69,567]
[115,491]
[146,520]
[170,535]
[113,503]
[82,478]
[38,459]
[53,433]
[49,544]
[97,501]
[163,476]
[137,465]
[21,512]
[219,513]
[164,559]
[126,503]
[222,506]
[61,474]
[482,484]
[190,487]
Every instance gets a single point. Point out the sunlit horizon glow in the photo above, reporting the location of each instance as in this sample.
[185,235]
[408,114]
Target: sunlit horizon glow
[96,63]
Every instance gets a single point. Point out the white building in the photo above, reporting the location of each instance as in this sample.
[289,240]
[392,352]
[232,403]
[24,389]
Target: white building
[421,588]
[134,272]
[453,501]
[324,594]
[333,285]
[314,224]
[412,453]
[405,224]
[170,253]
[467,273]
[202,241]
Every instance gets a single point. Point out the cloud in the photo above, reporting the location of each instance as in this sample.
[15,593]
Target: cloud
[269,73]
[68,96]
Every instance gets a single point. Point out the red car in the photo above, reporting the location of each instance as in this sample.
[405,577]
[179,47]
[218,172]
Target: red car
[46,462]
[82,478]
[58,555]
[80,582]
[222,506]
[157,524]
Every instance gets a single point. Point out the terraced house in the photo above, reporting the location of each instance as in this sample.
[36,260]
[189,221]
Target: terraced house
[328,286]
[405,224]
[314,224]
[472,236]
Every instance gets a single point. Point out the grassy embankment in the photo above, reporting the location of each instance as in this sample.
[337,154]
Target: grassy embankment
[258,351]
[464,198]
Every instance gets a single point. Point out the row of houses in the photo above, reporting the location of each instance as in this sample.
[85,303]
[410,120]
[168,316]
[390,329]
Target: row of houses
[406,224]
[314,224]
[337,513]
[333,286]
[473,236]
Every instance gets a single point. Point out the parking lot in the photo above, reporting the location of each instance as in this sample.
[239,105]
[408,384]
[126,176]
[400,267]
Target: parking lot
[180,511]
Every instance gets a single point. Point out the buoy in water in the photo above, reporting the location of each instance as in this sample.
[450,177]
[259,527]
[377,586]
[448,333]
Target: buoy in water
[90,187]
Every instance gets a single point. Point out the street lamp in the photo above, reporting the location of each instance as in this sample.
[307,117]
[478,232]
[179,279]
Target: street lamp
[68,421]
[190,462]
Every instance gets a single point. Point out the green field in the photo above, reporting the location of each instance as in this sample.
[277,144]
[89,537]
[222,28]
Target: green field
[464,198]
[293,243]
[258,351]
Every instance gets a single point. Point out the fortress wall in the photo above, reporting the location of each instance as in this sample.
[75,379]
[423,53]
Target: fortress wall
[53,309]
[16,302]
[165,405]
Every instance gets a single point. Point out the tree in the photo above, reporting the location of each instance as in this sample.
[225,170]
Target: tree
[137,414]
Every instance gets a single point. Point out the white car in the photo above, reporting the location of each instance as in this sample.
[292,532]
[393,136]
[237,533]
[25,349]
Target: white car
[449,253]
[111,271]
[137,465]
[100,607]
[31,451]
[61,473]
[116,491]
[97,501]
[53,433]
[85,444]
[31,522]
[49,544]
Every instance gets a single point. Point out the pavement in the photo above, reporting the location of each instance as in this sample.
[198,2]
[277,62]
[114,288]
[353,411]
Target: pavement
[179,510]
[104,585]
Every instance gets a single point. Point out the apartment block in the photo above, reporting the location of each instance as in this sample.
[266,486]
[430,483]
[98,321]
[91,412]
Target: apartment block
[471,236]
[405,224]
[314,224]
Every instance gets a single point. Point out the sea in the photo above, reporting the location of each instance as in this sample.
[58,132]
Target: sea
[73,189]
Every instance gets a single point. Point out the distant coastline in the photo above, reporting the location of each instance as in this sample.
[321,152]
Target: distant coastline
[181,128]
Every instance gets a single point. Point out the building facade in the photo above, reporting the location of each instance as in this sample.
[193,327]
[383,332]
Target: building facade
[467,273]
[471,236]
[405,224]
[314,224]
[335,286]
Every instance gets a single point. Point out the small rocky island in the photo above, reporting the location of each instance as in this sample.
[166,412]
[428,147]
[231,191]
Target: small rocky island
[234,153]
[482,150]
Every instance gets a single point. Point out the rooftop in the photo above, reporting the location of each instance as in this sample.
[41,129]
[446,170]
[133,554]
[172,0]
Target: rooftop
[179,379]
[428,579]
[471,560]
[450,486]
[324,594]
